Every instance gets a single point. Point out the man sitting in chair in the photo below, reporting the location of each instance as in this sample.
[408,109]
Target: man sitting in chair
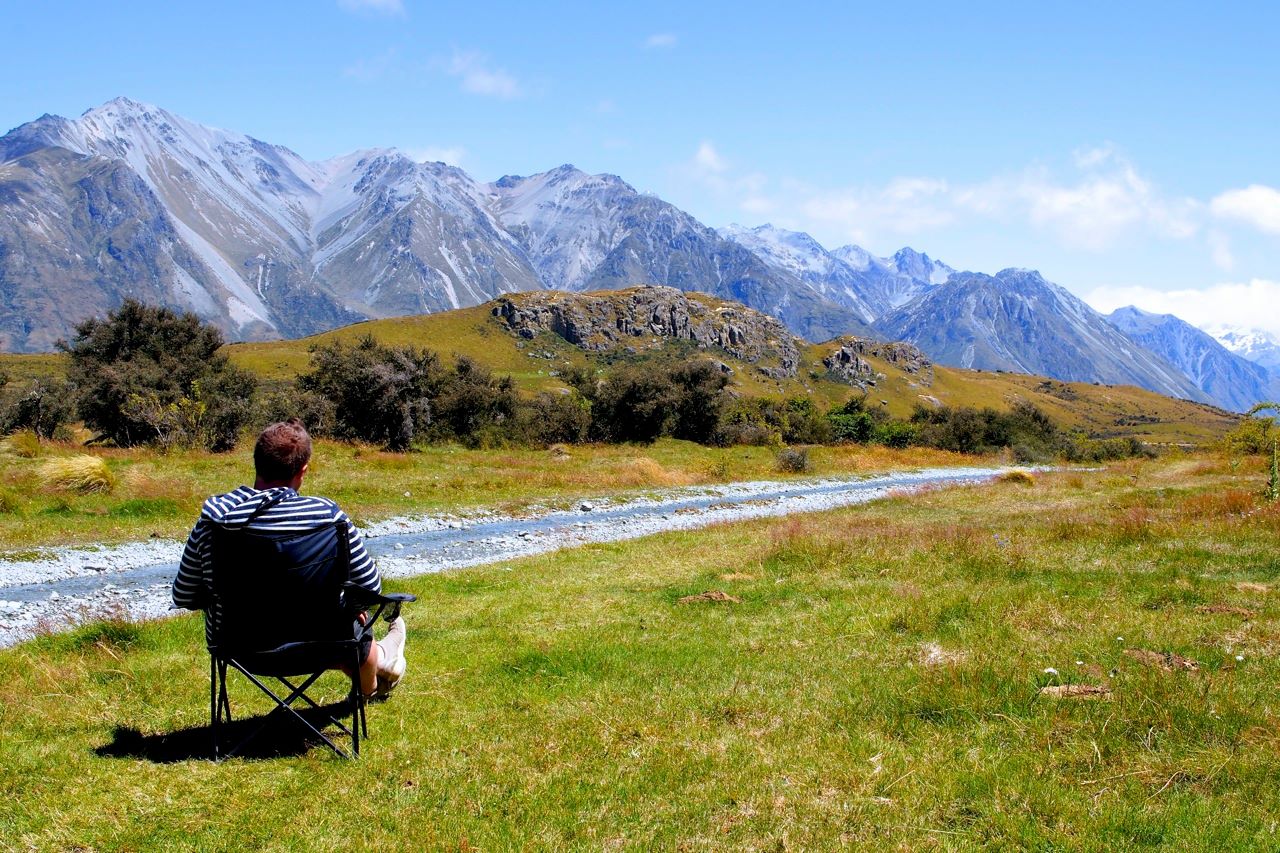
[280,459]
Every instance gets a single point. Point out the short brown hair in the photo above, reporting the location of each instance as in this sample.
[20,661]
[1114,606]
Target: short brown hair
[282,449]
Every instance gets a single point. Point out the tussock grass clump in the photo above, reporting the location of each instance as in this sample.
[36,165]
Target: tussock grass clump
[649,472]
[82,474]
[24,443]
[1018,478]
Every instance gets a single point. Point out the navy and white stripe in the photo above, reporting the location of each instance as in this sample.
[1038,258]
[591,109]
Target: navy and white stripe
[294,513]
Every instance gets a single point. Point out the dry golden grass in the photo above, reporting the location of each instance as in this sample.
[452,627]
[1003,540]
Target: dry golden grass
[83,475]
[24,444]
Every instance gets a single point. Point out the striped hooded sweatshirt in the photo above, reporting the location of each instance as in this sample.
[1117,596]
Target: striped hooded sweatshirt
[294,513]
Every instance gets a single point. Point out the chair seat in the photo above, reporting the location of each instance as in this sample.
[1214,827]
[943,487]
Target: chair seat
[292,658]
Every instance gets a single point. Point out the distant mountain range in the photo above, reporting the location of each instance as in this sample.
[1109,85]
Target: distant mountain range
[130,200]
[1230,380]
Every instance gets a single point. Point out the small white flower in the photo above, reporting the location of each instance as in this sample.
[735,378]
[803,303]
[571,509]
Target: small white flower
[1119,639]
[1079,663]
[1239,657]
[1048,670]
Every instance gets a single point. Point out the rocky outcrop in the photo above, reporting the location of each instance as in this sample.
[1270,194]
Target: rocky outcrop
[601,321]
[849,360]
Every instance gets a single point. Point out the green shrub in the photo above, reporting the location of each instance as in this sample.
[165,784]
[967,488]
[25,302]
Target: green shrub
[317,413]
[472,406]
[380,394]
[148,375]
[897,434]
[630,403]
[550,419]
[700,401]
[45,409]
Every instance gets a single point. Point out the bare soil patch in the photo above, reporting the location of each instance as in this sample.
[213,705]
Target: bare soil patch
[711,595]
[1166,661]
[1076,691]
[1242,612]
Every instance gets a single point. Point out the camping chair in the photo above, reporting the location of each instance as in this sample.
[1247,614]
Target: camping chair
[284,608]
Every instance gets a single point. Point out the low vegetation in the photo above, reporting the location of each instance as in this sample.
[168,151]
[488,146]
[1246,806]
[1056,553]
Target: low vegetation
[485,386]
[160,494]
[1073,660]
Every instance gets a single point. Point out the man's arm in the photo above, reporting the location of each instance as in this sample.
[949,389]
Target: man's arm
[191,586]
[363,572]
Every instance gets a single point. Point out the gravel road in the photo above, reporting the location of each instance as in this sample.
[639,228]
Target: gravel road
[61,587]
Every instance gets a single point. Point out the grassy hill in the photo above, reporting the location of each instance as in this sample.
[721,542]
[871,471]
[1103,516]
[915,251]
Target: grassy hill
[1100,410]
[537,363]
[882,678]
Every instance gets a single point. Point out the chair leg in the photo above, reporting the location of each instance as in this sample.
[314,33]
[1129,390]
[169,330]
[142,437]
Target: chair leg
[222,689]
[214,710]
[357,708]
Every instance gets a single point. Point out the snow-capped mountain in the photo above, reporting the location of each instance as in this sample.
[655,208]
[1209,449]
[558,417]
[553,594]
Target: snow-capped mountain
[596,232]
[1229,380]
[1017,321]
[132,200]
[868,285]
[1253,344]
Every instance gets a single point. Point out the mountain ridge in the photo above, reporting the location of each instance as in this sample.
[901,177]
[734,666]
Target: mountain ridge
[264,243]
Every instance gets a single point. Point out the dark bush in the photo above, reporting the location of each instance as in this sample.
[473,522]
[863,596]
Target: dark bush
[631,403]
[968,430]
[380,394]
[700,401]
[45,409]
[148,375]
[317,413]
[753,421]
[473,407]
[555,419]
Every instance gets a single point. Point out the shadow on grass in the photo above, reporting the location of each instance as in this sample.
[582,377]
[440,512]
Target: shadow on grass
[282,736]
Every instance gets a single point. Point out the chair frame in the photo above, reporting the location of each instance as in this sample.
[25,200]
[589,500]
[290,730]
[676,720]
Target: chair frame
[355,599]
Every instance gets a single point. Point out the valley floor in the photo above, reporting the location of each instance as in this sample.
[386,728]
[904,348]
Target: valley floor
[872,677]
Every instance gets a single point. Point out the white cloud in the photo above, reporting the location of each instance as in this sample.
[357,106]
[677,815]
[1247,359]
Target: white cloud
[480,78]
[381,7]
[661,40]
[903,206]
[708,159]
[1102,205]
[1101,202]
[1255,205]
[1251,305]
[453,156]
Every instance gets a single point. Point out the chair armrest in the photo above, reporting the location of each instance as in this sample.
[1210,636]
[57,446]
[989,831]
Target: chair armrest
[358,597]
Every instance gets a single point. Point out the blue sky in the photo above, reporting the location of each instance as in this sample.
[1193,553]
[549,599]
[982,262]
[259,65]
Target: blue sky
[1128,151]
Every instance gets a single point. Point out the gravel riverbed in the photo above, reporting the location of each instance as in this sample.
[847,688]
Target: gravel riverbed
[53,589]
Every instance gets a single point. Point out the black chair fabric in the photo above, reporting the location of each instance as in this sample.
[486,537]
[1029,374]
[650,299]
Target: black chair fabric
[278,590]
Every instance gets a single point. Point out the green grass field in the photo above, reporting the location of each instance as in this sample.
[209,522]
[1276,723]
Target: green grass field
[876,685]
